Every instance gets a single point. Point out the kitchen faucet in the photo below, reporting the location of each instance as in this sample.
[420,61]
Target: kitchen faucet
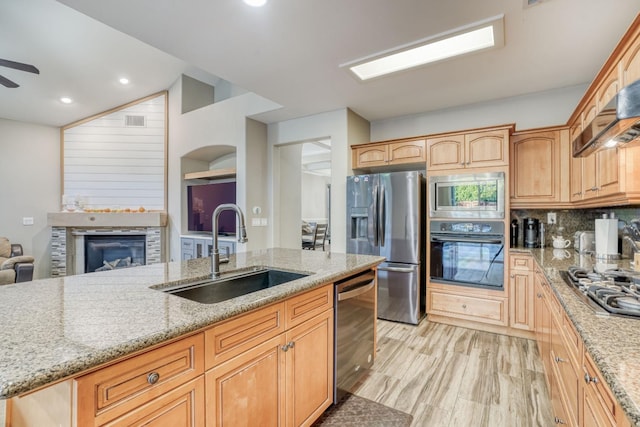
[242,235]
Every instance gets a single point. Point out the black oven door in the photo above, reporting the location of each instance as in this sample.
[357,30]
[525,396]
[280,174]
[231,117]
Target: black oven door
[468,260]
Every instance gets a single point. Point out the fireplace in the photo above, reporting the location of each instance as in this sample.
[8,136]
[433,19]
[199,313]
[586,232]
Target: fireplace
[128,238]
[110,252]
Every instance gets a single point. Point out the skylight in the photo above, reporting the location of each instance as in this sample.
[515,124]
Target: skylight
[471,38]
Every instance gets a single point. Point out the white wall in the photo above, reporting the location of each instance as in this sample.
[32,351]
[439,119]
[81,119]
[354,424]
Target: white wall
[30,176]
[344,128]
[313,198]
[221,123]
[540,109]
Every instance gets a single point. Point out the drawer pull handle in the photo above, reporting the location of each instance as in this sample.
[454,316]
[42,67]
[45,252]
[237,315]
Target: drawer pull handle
[560,359]
[558,420]
[589,379]
[153,378]
[287,346]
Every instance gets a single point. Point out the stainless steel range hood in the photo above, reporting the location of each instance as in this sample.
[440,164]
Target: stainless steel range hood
[618,123]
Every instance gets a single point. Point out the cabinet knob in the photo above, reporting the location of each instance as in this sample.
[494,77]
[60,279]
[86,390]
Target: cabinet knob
[559,359]
[288,345]
[464,306]
[558,420]
[153,378]
[589,379]
[512,276]
[539,295]
[291,344]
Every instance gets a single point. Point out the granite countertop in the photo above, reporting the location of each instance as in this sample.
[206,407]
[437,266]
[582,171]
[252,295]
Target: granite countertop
[56,328]
[612,341]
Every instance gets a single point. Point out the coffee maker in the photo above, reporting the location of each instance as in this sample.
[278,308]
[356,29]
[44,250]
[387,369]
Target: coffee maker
[531,232]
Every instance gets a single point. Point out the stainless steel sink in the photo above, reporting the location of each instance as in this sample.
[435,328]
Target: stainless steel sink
[211,291]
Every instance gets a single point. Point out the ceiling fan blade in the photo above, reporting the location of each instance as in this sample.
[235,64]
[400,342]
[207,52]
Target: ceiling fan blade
[8,83]
[19,66]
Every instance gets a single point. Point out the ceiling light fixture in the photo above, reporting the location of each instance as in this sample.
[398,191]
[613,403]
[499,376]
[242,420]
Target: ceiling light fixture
[481,35]
[124,81]
[255,3]
[66,100]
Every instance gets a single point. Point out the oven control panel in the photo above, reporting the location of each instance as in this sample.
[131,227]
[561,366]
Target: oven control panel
[475,227]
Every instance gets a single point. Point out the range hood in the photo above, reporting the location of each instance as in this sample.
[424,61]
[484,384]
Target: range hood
[618,123]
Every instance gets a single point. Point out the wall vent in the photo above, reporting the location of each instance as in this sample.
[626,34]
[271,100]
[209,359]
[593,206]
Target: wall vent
[529,3]
[134,121]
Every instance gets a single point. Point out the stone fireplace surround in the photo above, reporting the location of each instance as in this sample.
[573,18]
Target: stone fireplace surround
[69,228]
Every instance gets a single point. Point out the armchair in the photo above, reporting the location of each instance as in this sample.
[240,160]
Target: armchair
[14,265]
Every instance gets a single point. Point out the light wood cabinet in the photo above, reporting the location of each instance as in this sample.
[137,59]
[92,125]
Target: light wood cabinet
[521,292]
[461,302]
[630,62]
[274,365]
[539,168]
[388,153]
[600,174]
[599,403]
[118,392]
[470,150]
[575,166]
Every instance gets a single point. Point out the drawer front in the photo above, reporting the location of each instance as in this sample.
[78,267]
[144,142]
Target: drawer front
[465,307]
[604,396]
[574,342]
[303,307]
[520,262]
[239,334]
[116,389]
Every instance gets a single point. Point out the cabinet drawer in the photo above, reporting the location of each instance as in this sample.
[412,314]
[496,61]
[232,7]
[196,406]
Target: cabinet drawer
[241,333]
[303,307]
[520,262]
[183,406]
[467,307]
[117,389]
[573,340]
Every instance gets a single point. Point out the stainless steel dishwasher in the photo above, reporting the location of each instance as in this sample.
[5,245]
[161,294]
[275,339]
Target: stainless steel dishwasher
[355,302]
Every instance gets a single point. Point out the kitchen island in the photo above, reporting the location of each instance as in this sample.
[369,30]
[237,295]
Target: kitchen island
[56,329]
[612,342]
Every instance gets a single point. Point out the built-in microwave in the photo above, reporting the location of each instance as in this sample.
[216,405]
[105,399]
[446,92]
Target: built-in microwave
[473,195]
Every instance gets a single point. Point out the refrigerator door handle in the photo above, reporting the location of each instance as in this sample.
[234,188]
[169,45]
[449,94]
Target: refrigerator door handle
[381,216]
[375,215]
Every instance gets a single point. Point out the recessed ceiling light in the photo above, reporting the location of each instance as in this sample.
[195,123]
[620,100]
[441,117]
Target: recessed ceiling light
[255,3]
[66,100]
[124,81]
[480,35]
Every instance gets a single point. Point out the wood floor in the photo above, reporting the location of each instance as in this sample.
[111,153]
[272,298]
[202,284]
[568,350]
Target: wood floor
[450,376]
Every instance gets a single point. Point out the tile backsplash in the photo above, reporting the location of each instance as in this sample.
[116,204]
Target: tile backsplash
[568,221]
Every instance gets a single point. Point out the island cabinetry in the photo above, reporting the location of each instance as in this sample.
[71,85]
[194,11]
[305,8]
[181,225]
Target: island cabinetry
[389,153]
[286,380]
[480,149]
[599,407]
[539,168]
[162,384]
[521,292]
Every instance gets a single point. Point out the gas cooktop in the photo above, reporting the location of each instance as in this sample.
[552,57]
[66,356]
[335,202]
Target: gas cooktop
[615,292]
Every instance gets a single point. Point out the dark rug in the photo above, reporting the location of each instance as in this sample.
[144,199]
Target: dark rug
[355,411]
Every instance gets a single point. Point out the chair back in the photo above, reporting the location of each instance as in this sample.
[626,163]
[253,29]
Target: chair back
[320,236]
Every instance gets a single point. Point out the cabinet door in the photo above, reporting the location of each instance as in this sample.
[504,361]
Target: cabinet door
[484,149]
[187,248]
[181,407]
[370,156]
[521,300]
[609,87]
[589,177]
[608,175]
[567,379]
[631,64]
[535,167]
[309,370]
[446,152]
[592,413]
[542,321]
[407,152]
[248,390]
[575,180]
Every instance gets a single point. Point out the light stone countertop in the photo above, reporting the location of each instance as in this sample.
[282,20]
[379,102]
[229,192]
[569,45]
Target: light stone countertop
[57,328]
[612,341]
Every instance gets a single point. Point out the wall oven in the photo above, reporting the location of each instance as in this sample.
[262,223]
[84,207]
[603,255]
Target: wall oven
[468,253]
[474,195]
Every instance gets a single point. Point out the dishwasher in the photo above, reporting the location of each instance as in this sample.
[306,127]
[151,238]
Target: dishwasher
[354,334]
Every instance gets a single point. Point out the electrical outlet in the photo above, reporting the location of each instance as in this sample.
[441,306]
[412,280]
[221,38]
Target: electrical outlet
[551,217]
[27,220]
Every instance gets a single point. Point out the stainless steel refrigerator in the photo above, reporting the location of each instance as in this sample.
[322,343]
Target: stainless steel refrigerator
[385,216]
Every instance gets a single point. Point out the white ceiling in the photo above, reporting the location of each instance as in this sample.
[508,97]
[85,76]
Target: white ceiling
[290,52]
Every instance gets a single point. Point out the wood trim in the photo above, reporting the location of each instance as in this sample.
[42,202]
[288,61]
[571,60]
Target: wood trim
[212,174]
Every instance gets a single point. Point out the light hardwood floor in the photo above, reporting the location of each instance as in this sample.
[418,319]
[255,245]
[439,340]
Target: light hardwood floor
[450,376]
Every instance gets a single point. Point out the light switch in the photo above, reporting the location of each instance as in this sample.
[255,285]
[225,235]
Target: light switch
[27,220]
[255,222]
[263,221]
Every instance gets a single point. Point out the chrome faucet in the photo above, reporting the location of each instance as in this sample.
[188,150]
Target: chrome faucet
[242,235]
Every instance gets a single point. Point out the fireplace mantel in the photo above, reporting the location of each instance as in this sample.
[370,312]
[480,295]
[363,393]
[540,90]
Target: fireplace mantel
[104,219]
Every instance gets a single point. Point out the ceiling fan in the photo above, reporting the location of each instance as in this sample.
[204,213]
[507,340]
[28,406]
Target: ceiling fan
[17,66]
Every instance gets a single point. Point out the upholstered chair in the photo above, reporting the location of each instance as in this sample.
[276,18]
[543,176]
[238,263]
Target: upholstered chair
[14,265]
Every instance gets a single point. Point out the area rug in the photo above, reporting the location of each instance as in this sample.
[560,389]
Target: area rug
[355,411]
